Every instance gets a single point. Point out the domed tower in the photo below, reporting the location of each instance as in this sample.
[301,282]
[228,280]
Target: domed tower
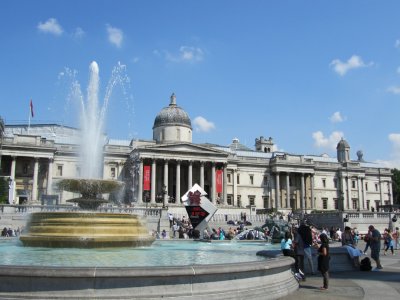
[172,124]
[343,151]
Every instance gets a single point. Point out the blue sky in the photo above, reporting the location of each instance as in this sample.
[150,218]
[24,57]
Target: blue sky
[303,72]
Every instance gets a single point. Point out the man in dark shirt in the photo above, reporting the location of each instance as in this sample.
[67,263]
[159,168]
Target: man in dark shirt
[375,244]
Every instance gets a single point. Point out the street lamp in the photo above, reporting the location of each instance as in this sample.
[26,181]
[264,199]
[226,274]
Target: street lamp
[164,192]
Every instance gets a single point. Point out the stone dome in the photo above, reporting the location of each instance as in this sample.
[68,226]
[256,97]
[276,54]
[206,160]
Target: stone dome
[172,115]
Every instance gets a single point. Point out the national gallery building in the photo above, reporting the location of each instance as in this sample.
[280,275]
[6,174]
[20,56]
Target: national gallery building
[158,172]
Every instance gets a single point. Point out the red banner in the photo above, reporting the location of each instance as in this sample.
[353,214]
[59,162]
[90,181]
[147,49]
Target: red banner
[146,178]
[219,180]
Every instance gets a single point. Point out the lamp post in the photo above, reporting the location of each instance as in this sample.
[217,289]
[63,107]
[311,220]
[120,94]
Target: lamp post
[10,194]
[164,192]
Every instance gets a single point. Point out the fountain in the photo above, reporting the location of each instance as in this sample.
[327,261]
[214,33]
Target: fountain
[87,228]
[73,263]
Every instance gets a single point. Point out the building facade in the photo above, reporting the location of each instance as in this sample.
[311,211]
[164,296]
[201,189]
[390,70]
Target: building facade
[158,172]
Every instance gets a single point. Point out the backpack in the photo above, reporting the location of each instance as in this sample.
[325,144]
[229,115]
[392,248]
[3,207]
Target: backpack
[365,264]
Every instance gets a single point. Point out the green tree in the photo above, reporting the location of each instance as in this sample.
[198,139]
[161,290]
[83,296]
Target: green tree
[396,186]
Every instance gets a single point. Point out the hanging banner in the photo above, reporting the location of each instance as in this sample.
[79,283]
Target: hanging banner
[218,180]
[146,178]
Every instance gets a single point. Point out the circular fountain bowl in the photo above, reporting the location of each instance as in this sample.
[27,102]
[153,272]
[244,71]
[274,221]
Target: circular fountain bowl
[85,230]
[89,186]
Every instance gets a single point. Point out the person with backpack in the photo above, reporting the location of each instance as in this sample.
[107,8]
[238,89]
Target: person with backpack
[306,235]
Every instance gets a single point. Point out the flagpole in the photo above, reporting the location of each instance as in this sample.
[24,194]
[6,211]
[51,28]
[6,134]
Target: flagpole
[29,119]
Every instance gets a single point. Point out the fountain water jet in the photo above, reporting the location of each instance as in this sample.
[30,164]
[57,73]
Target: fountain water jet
[88,228]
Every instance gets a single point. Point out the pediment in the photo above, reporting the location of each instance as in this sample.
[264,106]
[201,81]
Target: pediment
[183,148]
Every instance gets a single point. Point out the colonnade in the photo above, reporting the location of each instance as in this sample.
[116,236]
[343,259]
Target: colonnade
[179,183]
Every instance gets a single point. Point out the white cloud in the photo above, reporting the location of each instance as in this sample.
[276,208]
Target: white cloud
[50,26]
[336,117]
[320,141]
[398,70]
[353,62]
[115,36]
[186,54]
[394,90]
[78,33]
[203,125]
[397,44]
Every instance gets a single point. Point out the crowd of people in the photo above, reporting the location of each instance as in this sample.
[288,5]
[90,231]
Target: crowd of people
[10,232]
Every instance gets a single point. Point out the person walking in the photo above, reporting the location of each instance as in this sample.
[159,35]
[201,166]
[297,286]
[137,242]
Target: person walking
[396,238]
[323,260]
[389,242]
[375,244]
[306,235]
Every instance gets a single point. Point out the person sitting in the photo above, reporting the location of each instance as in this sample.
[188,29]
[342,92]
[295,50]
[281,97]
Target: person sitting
[347,237]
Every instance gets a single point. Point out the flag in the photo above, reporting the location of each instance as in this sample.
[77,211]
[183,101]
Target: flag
[31,107]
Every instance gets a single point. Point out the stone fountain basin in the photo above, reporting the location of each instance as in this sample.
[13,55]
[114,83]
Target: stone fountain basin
[267,279]
[85,230]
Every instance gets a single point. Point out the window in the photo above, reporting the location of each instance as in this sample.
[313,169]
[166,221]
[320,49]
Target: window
[355,202]
[252,200]
[238,179]
[336,203]
[377,204]
[112,172]
[239,200]
[251,179]
[335,183]
[368,205]
[376,187]
[59,170]
[229,199]
[353,184]
[229,178]
[324,183]
[366,186]
[178,134]
[265,182]
[324,203]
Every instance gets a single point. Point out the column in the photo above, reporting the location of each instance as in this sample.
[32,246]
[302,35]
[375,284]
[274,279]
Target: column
[391,192]
[49,189]
[287,190]
[343,194]
[12,175]
[364,192]
[153,181]
[348,203]
[224,187]
[190,175]
[313,204]
[35,180]
[359,187]
[165,196]
[234,187]
[213,182]
[178,182]
[381,192]
[202,174]
[302,199]
[277,191]
[140,184]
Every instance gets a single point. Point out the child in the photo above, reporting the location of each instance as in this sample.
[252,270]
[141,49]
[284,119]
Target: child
[323,260]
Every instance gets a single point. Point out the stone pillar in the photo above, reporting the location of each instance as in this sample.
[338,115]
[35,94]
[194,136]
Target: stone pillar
[303,199]
[381,192]
[287,190]
[35,180]
[140,183]
[165,196]
[390,192]
[277,192]
[364,193]
[213,183]
[342,205]
[359,186]
[348,203]
[312,182]
[178,182]
[224,187]
[190,175]
[12,175]
[234,186]
[153,181]
[49,188]
[202,174]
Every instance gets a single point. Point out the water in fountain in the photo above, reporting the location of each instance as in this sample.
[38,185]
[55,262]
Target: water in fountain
[88,229]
